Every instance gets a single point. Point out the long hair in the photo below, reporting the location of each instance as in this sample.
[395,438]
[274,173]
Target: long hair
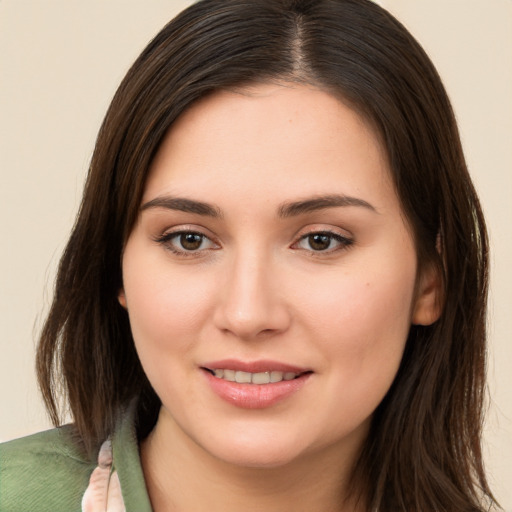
[423,452]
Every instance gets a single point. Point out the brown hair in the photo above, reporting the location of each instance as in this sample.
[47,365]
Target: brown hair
[423,452]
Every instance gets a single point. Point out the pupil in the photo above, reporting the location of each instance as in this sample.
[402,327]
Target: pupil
[191,241]
[319,242]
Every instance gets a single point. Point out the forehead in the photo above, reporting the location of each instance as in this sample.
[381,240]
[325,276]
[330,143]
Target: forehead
[271,140]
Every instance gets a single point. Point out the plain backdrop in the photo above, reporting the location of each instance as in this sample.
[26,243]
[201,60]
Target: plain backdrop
[60,63]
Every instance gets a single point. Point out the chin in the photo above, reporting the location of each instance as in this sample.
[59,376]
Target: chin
[258,458]
[263,453]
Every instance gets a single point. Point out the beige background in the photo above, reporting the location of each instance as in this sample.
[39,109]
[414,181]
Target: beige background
[60,62]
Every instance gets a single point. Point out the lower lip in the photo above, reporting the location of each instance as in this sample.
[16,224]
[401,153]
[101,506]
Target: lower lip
[255,396]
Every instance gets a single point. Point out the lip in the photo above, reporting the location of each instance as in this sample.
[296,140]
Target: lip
[254,366]
[254,396]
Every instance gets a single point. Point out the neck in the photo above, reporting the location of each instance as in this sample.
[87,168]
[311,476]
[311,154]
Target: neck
[181,476]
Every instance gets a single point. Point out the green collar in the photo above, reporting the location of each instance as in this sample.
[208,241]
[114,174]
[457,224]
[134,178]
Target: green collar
[127,463]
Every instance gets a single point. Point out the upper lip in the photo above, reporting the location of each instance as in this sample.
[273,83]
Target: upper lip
[254,366]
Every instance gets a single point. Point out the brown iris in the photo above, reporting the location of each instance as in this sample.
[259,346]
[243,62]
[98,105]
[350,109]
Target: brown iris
[191,241]
[319,242]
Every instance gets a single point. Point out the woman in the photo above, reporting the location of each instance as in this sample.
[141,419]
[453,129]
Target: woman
[274,294]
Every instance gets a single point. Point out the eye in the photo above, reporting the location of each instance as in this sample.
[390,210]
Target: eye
[323,241]
[186,243]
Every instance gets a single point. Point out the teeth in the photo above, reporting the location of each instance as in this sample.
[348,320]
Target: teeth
[253,378]
[243,377]
[261,378]
[229,375]
[276,376]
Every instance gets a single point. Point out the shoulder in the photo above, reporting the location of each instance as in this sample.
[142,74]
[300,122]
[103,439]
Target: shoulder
[43,472]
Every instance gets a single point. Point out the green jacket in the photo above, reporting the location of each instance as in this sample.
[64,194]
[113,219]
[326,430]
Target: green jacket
[46,472]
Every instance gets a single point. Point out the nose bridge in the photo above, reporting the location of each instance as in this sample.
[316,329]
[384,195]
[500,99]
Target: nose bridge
[251,302]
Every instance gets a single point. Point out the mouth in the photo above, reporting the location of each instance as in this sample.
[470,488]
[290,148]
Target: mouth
[256,384]
[256,389]
[257,378]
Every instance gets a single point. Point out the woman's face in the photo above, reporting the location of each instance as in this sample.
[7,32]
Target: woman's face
[271,246]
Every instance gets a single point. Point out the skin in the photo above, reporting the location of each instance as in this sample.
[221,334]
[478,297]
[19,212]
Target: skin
[257,289]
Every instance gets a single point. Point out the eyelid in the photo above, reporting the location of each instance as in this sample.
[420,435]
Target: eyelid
[344,240]
[166,237]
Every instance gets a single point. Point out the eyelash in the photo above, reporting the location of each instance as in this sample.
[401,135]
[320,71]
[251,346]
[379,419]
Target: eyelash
[167,241]
[343,242]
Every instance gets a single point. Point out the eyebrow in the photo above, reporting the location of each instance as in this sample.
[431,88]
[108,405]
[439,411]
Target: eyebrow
[320,203]
[183,205]
[289,209]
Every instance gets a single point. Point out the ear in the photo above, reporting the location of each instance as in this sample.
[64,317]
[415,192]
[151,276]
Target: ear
[428,304]
[121,297]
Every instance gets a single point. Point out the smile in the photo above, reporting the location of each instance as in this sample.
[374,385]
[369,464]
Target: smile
[242,377]
[257,389]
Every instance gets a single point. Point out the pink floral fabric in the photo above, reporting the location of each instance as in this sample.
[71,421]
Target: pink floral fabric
[104,491]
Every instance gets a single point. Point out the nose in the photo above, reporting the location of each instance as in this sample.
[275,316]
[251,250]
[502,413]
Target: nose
[252,301]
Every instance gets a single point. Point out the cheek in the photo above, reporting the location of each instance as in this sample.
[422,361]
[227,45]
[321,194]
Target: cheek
[166,314]
[362,321]
[166,308]
[360,327]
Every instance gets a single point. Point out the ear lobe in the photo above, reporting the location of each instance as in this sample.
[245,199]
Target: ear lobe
[428,303]
[121,297]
